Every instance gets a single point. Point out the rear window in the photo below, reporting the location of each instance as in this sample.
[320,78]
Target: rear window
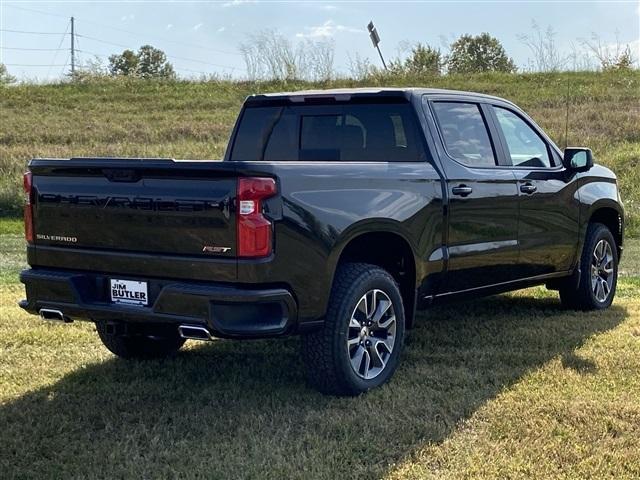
[350,132]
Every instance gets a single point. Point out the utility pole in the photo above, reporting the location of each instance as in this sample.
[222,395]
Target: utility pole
[73,48]
[375,39]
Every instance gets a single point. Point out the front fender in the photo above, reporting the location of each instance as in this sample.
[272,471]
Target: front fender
[598,190]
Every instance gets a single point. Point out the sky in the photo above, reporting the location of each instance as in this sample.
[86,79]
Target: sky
[202,37]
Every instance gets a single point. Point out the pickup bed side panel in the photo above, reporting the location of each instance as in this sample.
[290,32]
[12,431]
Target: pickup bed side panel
[327,204]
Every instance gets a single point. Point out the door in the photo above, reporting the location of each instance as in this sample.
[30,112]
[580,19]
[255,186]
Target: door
[549,207]
[482,232]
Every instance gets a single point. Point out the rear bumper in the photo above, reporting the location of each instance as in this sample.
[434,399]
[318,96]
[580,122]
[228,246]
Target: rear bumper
[226,310]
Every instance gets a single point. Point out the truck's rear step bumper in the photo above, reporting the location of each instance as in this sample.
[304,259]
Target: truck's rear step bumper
[226,310]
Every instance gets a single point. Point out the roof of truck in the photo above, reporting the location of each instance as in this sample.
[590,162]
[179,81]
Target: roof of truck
[368,91]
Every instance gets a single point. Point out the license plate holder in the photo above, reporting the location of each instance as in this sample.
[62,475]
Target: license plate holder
[129,292]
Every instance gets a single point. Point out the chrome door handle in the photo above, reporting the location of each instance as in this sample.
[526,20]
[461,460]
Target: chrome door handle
[528,188]
[462,190]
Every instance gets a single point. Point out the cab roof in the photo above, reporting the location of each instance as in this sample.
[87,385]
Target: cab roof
[345,94]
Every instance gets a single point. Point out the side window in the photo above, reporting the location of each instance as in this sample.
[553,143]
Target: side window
[465,133]
[526,148]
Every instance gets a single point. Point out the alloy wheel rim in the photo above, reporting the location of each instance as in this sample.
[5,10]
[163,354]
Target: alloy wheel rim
[602,271]
[371,334]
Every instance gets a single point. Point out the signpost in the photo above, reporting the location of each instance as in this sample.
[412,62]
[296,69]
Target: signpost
[375,39]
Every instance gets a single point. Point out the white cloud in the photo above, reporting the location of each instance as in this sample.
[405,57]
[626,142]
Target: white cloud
[327,29]
[235,3]
[221,29]
[329,7]
[198,26]
[169,26]
[125,18]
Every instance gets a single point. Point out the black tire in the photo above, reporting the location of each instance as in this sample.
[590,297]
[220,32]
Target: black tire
[138,346]
[327,356]
[583,297]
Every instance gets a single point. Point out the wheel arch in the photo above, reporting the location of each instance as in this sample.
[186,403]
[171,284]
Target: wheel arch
[389,249]
[611,215]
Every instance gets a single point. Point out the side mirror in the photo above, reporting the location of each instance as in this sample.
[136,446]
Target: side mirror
[578,159]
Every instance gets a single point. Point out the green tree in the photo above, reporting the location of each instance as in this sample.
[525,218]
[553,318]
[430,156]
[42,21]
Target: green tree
[482,53]
[423,60]
[124,64]
[5,77]
[152,63]
[148,62]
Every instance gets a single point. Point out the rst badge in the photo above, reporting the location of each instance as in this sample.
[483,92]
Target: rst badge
[215,249]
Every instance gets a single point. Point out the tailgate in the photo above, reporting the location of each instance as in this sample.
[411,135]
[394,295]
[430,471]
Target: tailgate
[154,207]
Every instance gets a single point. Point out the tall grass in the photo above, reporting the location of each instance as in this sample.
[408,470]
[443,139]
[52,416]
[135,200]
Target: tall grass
[192,119]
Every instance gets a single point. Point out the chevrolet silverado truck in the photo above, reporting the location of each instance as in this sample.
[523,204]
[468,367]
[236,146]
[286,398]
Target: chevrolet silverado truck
[334,215]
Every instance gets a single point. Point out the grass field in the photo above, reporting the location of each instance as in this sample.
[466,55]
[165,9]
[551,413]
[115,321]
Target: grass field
[510,386]
[193,120]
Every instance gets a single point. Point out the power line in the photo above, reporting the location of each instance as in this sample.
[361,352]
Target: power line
[55,56]
[99,40]
[92,53]
[99,55]
[176,57]
[66,62]
[164,39]
[30,49]
[31,65]
[102,41]
[32,33]
[137,34]
[37,11]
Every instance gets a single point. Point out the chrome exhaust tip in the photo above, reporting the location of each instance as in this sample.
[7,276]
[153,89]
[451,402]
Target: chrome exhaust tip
[194,332]
[52,314]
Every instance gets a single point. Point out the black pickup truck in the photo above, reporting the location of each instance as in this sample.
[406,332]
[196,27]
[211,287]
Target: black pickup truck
[334,215]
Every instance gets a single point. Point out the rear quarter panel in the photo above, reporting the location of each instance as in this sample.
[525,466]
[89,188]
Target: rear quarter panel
[325,205]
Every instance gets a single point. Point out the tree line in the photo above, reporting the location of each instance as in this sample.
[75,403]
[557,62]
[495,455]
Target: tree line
[269,55]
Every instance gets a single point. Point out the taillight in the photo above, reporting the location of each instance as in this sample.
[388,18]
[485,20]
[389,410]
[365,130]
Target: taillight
[253,228]
[28,207]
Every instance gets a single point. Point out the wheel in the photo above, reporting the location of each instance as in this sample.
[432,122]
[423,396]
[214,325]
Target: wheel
[598,272]
[360,344]
[140,346]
